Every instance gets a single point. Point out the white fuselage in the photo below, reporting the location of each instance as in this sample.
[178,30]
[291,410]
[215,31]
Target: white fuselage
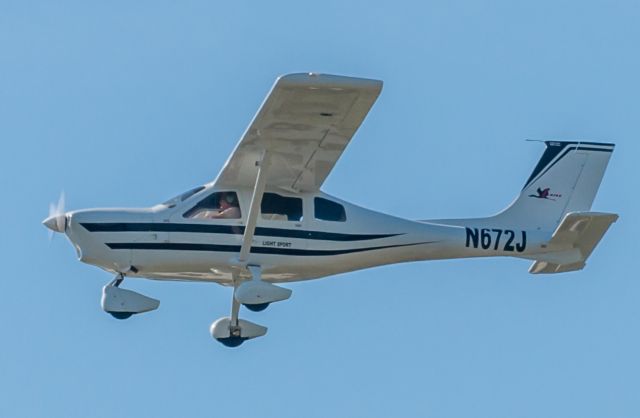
[160,243]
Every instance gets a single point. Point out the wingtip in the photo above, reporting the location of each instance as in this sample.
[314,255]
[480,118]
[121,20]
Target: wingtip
[328,80]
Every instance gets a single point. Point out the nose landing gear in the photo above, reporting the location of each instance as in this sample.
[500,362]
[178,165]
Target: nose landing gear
[122,303]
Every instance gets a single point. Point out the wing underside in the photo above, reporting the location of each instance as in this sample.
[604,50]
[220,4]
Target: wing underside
[305,123]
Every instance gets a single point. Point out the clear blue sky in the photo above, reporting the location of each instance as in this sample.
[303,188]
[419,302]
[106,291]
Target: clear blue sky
[127,103]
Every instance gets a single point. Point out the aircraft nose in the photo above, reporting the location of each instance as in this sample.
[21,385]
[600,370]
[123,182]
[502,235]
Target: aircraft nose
[57,220]
[56,223]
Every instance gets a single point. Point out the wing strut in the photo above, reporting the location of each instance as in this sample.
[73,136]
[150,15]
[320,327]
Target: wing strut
[256,294]
[254,208]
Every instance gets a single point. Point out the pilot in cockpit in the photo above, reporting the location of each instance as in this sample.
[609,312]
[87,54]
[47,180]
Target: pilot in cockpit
[228,208]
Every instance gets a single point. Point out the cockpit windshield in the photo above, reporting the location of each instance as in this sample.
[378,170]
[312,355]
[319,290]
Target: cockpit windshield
[182,197]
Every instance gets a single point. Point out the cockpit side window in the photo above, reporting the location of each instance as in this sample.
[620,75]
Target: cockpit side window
[281,208]
[327,210]
[218,205]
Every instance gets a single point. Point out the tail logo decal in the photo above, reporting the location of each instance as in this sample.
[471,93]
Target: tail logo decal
[546,194]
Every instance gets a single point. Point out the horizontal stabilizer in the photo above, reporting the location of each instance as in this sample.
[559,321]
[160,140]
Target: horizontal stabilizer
[573,242]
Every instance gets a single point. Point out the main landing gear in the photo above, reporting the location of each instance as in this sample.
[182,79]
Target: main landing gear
[255,295]
[122,303]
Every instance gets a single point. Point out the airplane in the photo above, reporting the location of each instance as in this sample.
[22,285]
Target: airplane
[265,221]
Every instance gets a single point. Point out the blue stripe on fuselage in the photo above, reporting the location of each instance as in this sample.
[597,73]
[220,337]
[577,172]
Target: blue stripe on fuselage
[228,229]
[254,250]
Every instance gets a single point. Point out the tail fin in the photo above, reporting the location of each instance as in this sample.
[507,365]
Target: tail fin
[565,180]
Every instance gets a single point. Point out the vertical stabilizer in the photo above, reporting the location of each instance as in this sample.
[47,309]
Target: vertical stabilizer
[565,180]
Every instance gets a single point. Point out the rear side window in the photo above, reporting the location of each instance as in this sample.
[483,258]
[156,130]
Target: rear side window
[280,208]
[327,210]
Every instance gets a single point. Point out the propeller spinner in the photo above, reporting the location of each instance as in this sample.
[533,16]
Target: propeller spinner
[57,219]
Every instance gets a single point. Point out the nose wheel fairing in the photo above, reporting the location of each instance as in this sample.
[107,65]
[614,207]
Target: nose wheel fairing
[123,303]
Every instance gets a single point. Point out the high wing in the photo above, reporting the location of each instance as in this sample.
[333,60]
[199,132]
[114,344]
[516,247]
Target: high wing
[304,124]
